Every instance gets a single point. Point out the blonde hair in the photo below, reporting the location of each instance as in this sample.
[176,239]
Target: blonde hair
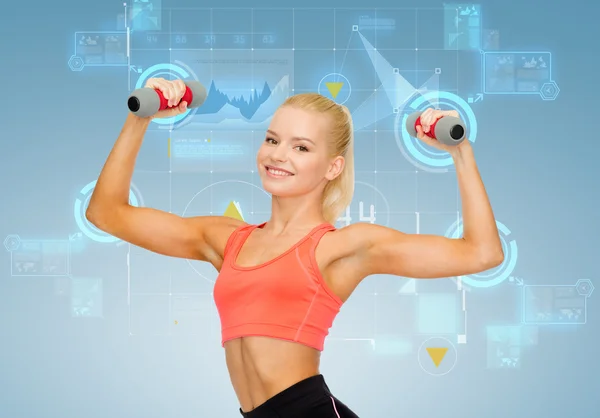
[338,192]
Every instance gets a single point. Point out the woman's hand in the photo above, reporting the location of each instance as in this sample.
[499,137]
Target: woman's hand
[428,117]
[173,91]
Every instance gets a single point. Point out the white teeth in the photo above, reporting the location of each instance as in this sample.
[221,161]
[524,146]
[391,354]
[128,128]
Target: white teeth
[278,172]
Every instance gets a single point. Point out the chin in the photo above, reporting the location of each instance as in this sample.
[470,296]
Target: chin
[278,189]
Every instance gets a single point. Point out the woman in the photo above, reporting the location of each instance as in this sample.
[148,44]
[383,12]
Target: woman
[281,283]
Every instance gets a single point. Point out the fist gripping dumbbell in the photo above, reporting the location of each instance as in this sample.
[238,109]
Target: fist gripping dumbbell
[448,130]
[145,102]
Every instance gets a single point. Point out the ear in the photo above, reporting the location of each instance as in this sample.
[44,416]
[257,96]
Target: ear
[335,168]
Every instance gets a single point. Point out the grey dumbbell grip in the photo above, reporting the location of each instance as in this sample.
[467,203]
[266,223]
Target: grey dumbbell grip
[145,102]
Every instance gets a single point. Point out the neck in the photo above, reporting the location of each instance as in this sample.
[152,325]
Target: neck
[288,213]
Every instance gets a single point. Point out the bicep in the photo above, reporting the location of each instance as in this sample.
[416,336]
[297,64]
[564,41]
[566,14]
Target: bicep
[198,238]
[384,250]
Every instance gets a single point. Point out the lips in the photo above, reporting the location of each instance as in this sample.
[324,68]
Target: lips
[276,171]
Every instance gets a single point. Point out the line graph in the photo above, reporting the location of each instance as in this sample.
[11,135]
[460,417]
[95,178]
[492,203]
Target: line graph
[245,87]
[254,107]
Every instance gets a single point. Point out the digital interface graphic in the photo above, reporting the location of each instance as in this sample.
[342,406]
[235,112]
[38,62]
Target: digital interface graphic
[380,65]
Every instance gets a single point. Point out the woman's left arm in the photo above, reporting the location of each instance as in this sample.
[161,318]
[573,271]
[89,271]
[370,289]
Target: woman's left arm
[381,250]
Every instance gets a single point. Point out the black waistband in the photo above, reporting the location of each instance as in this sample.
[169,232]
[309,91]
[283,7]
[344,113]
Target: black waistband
[296,396]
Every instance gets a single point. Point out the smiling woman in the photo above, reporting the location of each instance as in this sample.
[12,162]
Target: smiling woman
[311,137]
[282,283]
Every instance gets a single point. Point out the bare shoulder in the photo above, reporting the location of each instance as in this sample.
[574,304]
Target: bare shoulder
[350,246]
[348,240]
[343,246]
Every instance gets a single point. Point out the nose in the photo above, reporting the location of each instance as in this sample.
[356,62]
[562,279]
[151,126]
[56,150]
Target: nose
[279,153]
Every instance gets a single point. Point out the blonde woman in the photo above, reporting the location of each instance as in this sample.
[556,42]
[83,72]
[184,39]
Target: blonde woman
[281,283]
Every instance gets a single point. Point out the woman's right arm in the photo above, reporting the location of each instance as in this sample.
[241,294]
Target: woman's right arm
[201,238]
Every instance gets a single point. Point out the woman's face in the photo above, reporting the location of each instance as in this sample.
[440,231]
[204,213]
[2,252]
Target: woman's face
[295,157]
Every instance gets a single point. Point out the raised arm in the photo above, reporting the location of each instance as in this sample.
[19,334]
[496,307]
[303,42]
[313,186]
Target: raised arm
[381,250]
[200,238]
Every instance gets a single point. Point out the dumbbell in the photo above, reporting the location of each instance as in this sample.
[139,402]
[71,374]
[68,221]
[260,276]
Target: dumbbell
[146,101]
[449,130]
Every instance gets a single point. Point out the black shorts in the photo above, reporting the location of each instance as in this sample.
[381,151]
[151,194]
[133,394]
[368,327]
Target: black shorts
[309,398]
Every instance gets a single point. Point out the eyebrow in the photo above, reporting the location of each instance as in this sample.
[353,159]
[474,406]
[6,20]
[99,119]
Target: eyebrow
[295,138]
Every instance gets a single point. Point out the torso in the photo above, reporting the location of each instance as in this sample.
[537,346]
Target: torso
[261,367]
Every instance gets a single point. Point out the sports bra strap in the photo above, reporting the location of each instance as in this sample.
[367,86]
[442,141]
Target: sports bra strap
[237,238]
[315,238]
[318,233]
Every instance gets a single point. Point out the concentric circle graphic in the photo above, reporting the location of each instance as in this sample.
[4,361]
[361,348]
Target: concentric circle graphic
[81,203]
[214,199]
[437,356]
[335,86]
[499,274]
[169,71]
[424,156]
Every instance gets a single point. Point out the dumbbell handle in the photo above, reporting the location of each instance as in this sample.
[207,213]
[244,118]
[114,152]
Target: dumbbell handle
[448,130]
[134,102]
[431,132]
[146,101]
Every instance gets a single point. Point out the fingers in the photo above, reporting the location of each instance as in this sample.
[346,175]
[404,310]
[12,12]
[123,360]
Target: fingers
[179,89]
[169,91]
[422,137]
[420,134]
[431,115]
[177,92]
[427,119]
[172,91]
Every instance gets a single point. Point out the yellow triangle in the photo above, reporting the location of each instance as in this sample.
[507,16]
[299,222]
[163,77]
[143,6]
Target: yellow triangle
[233,212]
[437,354]
[334,87]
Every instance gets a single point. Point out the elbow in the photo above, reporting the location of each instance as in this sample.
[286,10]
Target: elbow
[484,257]
[491,258]
[92,216]
[89,214]
[98,217]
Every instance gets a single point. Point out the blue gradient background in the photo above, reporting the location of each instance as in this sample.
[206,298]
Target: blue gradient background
[538,160]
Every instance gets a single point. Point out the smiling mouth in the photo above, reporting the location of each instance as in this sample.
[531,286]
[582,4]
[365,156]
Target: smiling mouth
[277,172]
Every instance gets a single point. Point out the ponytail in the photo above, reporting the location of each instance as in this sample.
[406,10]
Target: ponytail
[339,192]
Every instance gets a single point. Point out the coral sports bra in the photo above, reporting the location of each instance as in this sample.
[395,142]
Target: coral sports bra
[285,298]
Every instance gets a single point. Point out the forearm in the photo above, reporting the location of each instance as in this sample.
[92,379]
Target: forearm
[114,182]
[479,223]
